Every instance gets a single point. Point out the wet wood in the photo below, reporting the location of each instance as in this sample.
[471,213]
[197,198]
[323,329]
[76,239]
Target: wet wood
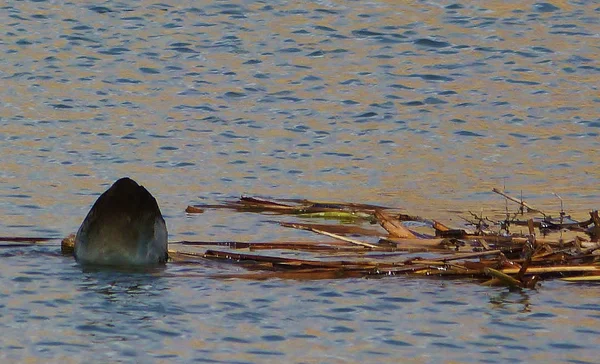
[16,245]
[594,278]
[281,262]
[67,245]
[311,246]
[24,239]
[194,210]
[438,226]
[516,240]
[261,201]
[295,206]
[416,244]
[515,260]
[298,275]
[556,269]
[393,226]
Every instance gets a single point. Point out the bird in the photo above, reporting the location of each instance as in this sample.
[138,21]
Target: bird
[124,227]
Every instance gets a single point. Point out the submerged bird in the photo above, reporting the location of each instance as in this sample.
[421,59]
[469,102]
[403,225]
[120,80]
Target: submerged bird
[124,228]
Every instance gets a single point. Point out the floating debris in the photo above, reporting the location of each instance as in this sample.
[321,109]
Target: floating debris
[492,257]
[484,251]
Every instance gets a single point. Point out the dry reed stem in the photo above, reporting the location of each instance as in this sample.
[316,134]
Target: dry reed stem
[393,226]
[522,203]
[555,269]
[326,233]
[337,229]
[516,240]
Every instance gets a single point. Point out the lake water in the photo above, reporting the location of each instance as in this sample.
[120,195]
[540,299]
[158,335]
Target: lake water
[422,105]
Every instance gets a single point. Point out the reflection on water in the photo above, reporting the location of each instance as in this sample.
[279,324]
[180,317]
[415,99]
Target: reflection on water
[512,299]
[125,316]
[425,105]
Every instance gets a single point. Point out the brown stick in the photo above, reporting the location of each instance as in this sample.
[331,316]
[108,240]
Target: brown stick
[335,236]
[468,255]
[339,229]
[522,203]
[439,226]
[393,226]
[244,245]
[514,239]
[261,201]
[291,262]
[557,269]
[264,258]
[330,246]
[484,244]
[67,245]
[415,244]
[23,239]
[302,274]
[193,210]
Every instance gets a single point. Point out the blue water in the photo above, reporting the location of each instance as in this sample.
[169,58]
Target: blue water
[423,105]
[51,310]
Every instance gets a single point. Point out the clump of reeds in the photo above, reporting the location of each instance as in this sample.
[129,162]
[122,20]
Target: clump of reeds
[492,257]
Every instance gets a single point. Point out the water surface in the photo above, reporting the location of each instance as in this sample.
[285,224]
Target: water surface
[422,105]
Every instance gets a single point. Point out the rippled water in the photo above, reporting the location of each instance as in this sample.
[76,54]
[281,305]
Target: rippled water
[423,105]
[50,310]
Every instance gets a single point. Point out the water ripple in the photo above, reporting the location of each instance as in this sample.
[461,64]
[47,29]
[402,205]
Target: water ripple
[388,103]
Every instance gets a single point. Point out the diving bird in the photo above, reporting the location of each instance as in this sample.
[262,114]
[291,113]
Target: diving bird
[124,227]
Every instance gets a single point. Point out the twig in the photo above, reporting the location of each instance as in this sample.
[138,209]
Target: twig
[193,210]
[469,255]
[520,202]
[555,269]
[393,226]
[326,233]
[23,239]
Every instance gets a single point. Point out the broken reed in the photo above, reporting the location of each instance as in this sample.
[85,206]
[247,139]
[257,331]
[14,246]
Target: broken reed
[517,260]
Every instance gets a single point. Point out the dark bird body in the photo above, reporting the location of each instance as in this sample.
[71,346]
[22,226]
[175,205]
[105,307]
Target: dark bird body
[124,227]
